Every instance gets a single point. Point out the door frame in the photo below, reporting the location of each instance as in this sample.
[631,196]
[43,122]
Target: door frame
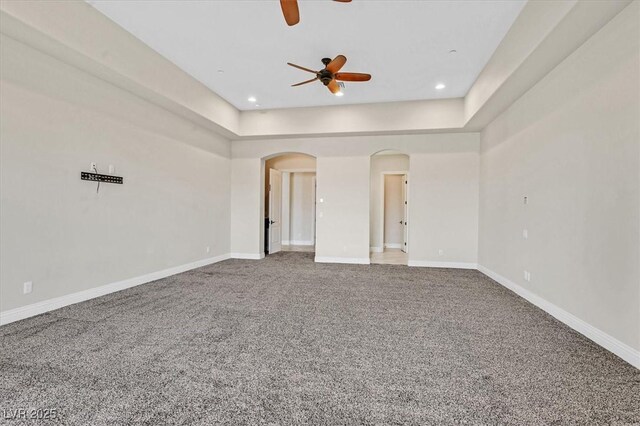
[381,224]
[315,206]
[270,211]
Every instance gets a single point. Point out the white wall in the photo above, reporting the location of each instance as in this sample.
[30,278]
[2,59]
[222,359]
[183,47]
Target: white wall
[383,162]
[56,230]
[571,144]
[393,210]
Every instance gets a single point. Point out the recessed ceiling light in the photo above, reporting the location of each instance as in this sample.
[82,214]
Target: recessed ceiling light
[453,51]
[339,94]
[252,99]
[440,86]
[220,71]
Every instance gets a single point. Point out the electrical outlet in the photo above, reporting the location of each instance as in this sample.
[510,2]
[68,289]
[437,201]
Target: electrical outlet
[112,169]
[93,166]
[525,234]
[27,287]
[440,252]
[207,249]
[527,276]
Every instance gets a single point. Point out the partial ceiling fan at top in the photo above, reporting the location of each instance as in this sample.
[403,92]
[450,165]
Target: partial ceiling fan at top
[291,12]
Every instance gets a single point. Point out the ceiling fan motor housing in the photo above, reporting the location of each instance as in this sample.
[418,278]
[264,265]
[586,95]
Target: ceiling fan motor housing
[325,76]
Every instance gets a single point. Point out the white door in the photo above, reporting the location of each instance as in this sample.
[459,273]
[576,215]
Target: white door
[405,230]
[275,211]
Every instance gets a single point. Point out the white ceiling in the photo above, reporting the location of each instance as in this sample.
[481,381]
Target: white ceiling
[404,45]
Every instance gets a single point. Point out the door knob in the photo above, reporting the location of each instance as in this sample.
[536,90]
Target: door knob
[271,222]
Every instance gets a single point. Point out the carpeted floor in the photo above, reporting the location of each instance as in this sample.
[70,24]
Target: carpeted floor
[287,341]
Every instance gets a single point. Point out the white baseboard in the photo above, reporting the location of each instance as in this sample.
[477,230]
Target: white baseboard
[251,256]
[286,242]
[430,264]
[354,260]
[70,299]
[624,351]
[392,245]
[300,243]
[376,249]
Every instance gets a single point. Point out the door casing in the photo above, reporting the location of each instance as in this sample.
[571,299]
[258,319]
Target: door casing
[405,193]
[275,211]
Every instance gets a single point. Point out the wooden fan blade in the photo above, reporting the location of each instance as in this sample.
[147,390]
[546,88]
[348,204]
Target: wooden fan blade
[343,1]
[304,82]
[302,68]
[333,86]
[352,76]
[337,63]
[290,11]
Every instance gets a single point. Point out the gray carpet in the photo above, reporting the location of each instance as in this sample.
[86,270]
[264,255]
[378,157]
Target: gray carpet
[287,341]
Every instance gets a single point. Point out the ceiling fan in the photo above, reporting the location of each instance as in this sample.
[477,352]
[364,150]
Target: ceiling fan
[329,75]
[291,12]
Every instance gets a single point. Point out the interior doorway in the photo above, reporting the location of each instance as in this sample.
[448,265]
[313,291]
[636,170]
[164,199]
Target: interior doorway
[290,203]
[389,209]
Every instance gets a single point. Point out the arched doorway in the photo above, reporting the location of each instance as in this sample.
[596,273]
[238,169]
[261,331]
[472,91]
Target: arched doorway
[289,203]
[389,208]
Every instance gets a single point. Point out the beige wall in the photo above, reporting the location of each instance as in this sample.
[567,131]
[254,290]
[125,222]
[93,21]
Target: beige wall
[56,230]
[393,210]
[286,208]
[247,208]
[343,209]
[302,208]
[292,162]
[446,206]
[80,35]
[415,116]
[443,209]
[379,164]
[572,146]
